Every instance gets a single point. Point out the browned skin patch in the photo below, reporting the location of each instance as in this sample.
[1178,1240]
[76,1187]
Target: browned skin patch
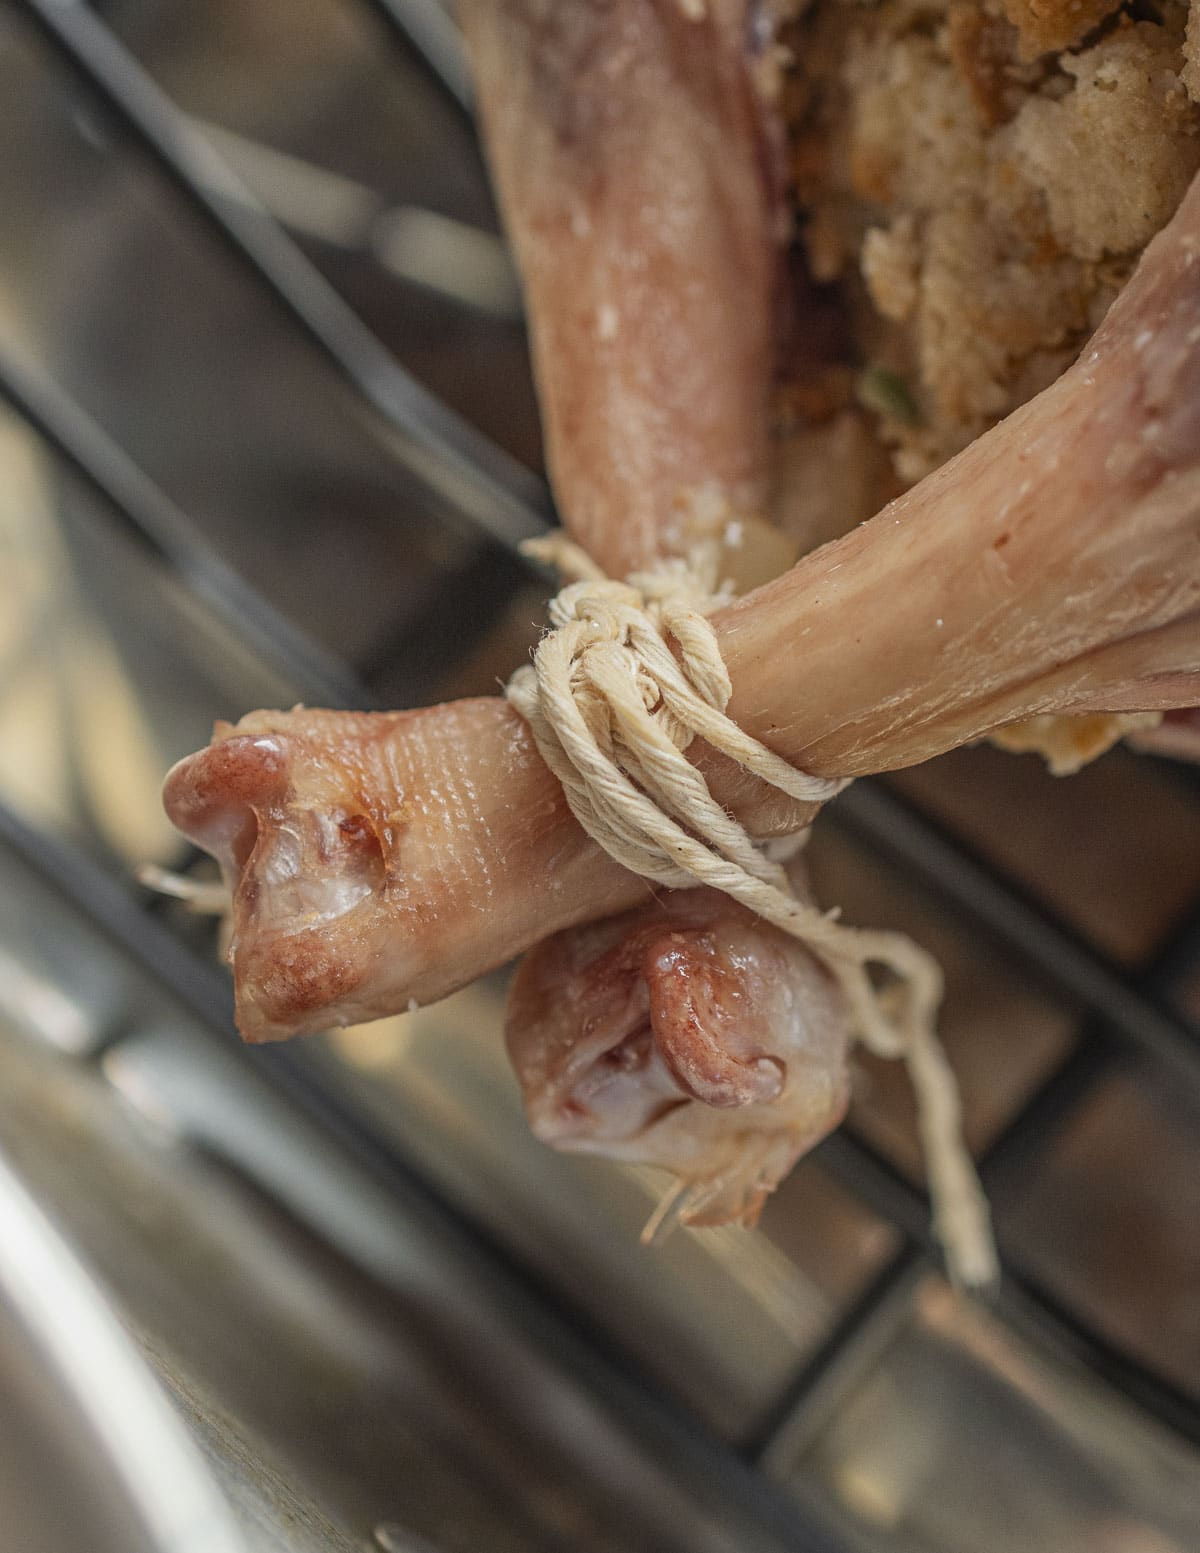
[298,975]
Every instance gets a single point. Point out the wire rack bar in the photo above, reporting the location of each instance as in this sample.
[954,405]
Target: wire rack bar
[476,480]
[1023,1300]
[156,523]
[926,852]
[831,1370]
[429,28]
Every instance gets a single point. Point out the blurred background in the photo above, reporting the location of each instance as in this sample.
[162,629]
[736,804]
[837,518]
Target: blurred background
[267,435]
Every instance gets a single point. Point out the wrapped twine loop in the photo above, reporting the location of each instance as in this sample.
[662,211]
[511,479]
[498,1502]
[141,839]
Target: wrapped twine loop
[612,710]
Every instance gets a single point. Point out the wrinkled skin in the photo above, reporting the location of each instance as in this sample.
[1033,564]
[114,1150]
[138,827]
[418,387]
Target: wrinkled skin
[686,1035]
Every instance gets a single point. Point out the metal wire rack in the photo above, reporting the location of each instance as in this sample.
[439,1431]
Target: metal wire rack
[475,484]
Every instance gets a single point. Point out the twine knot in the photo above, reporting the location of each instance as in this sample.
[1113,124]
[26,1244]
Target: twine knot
[630,673]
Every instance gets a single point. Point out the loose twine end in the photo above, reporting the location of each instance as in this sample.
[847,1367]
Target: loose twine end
[612,710]
[209,898]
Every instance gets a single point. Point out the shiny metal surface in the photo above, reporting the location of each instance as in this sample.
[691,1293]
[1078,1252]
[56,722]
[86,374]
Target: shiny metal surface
[957,1428]
[91,1454]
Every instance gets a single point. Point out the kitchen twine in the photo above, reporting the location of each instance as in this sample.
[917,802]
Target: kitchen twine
[612,709]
